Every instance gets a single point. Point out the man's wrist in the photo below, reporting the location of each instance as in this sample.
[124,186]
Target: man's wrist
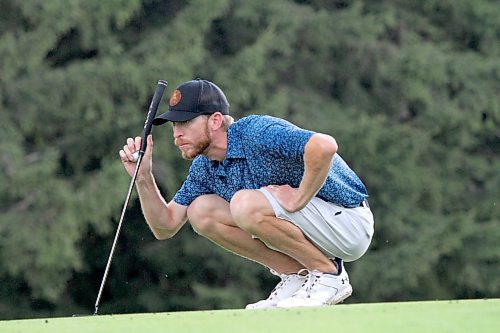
[300,201]
[145,180]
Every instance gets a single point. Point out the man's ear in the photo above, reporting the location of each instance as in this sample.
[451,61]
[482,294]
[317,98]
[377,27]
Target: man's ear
[216,121]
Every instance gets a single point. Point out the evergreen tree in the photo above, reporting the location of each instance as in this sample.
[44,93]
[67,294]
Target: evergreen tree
[408,89]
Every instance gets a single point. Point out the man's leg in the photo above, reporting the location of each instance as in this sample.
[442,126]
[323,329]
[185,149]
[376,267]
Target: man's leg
[325,284]
[210,217]
[253,213]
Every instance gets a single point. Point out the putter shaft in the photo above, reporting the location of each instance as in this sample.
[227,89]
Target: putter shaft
[124,209]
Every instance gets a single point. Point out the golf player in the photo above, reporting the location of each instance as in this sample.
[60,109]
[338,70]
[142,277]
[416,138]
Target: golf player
[264,189]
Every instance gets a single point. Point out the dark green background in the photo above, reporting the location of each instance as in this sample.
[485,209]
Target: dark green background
[410,90]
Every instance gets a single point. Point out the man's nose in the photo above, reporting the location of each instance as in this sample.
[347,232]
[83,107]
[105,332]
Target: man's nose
[177,131]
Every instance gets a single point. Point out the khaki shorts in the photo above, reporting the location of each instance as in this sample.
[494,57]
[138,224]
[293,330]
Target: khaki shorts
[335,230]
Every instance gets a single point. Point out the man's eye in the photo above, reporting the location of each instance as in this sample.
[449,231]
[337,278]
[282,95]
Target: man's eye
[180,123]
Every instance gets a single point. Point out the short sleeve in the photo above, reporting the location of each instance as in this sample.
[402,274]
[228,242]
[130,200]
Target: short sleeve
[282,138]
[194,185]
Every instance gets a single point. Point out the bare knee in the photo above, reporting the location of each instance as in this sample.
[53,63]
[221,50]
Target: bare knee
[247,209]
[201,215]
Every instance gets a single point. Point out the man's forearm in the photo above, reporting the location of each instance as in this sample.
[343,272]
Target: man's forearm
[318,156]
[155,209]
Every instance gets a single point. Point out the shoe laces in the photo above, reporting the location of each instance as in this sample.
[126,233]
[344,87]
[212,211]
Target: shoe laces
[309,284]
[285,279]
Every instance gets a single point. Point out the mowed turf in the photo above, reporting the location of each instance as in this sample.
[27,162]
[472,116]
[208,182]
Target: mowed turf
[437,316]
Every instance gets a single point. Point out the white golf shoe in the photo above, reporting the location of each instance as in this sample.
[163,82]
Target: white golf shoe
[288,285]
[320,289]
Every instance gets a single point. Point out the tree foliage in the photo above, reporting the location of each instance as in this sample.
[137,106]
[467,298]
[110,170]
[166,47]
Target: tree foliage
[408,89]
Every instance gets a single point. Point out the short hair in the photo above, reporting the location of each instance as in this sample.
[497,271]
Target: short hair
[227,121]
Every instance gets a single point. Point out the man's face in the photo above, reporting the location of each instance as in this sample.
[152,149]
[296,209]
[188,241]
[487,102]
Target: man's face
[192,137]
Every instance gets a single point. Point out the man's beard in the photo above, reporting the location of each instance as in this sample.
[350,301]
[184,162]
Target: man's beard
[199,148]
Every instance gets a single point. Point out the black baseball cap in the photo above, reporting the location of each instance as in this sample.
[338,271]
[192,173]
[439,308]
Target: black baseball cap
[193,98]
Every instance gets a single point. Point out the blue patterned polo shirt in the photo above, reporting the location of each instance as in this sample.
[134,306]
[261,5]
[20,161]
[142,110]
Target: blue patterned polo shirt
[261,151]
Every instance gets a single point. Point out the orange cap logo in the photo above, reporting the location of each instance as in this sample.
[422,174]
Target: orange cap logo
[175,98]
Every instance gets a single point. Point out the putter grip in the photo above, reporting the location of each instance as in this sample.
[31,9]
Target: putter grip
[153,107]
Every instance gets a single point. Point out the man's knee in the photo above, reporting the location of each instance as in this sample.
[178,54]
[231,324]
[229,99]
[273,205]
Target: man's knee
[248,208]
[201,215]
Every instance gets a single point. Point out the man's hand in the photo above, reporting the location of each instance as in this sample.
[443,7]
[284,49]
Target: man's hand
[287,196]
[129,161]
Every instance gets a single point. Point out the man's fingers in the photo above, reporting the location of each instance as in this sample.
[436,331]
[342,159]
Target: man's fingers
[130,151]
[137,143]
[149,147]
[123,156]
[131,144]
[127,151]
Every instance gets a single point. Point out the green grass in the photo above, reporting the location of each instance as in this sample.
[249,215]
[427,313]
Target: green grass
[439,316]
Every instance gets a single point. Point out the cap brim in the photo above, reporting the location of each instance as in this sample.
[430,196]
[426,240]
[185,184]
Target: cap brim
[174,115]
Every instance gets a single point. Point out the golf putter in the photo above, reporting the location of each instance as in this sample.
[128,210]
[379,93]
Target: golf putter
[155,102]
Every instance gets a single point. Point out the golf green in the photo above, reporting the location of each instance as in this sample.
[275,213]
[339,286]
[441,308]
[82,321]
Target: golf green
[429,316]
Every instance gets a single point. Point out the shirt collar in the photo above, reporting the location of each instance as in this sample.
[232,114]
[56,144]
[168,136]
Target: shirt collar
[234,144]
